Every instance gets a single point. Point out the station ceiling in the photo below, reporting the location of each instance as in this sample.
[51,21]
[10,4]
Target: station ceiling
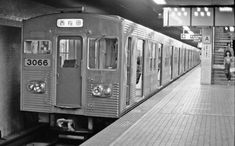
[144,12]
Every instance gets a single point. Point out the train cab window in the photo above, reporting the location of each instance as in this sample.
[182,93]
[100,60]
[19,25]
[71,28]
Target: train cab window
[37,47]
[103,53]
[68,48]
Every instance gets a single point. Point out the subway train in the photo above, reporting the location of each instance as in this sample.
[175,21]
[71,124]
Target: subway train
[90,66]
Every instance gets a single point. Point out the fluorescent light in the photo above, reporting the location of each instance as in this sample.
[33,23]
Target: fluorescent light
[190,32]
[206,9]
[160,2]
[208,13]
[195,13]
[186,28]
[202,13]
[225,9]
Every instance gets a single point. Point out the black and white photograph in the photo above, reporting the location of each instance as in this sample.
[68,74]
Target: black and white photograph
[117,72]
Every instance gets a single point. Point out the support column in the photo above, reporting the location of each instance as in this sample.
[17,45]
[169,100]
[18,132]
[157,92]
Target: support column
[206,55]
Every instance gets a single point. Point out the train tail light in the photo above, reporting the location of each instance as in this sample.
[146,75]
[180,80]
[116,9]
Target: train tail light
[37,87]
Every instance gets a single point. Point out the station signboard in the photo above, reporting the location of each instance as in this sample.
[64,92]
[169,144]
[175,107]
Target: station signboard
[187,36]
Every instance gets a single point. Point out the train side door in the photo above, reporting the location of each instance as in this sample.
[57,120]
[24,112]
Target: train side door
[69,72]
[128,69]
[139,60]
[135,50]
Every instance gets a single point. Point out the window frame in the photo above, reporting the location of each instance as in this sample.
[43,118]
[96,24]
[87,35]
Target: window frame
[68,37]
[153,55]
[88,53]
[50,47]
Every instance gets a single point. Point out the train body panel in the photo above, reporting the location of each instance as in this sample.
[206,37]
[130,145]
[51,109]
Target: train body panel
[95,65]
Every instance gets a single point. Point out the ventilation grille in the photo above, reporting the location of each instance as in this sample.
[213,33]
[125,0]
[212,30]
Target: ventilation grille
[35,102]
[103,106]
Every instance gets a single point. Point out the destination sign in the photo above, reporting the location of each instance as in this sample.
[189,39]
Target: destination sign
[69,22]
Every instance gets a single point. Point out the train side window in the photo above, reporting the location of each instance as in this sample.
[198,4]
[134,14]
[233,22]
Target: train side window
[37,47]
[68,52]
[155,49]
[103,53]
[150,55]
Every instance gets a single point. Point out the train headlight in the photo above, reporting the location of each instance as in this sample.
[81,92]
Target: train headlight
[102,90]
[108,91]
[97,90]
[37,87]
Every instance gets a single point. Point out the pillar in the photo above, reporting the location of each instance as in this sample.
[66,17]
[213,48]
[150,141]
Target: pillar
[206,55]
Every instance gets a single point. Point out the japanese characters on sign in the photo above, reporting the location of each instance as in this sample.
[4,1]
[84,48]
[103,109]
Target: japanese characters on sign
[69,22]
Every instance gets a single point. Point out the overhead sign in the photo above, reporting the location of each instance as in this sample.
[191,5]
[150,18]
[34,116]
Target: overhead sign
[206,39]
[187,36]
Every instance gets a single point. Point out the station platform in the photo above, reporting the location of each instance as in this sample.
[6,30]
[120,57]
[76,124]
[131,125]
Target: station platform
[185,113]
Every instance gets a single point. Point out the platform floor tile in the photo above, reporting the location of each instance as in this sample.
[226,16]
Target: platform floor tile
[191,114]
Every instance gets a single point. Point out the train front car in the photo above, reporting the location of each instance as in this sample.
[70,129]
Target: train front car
[70,68]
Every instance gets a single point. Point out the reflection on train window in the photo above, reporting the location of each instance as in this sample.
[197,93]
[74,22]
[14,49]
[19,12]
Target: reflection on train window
[37,47]
[103,53]
[68,52]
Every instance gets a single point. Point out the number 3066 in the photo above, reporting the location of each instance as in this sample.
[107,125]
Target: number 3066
[37,62]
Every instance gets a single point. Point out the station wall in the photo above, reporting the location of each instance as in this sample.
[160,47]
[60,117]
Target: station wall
[10,116]
[12,12]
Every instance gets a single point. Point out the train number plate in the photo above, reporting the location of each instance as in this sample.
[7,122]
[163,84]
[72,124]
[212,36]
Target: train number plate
[37,62]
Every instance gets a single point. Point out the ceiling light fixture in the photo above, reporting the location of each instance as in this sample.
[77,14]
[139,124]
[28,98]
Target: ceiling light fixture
[208,13]
[202,14]
[225,9]
[186,28]
[190,32]
[160,2]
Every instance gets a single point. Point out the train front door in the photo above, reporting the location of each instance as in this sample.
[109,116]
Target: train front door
[69,72]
